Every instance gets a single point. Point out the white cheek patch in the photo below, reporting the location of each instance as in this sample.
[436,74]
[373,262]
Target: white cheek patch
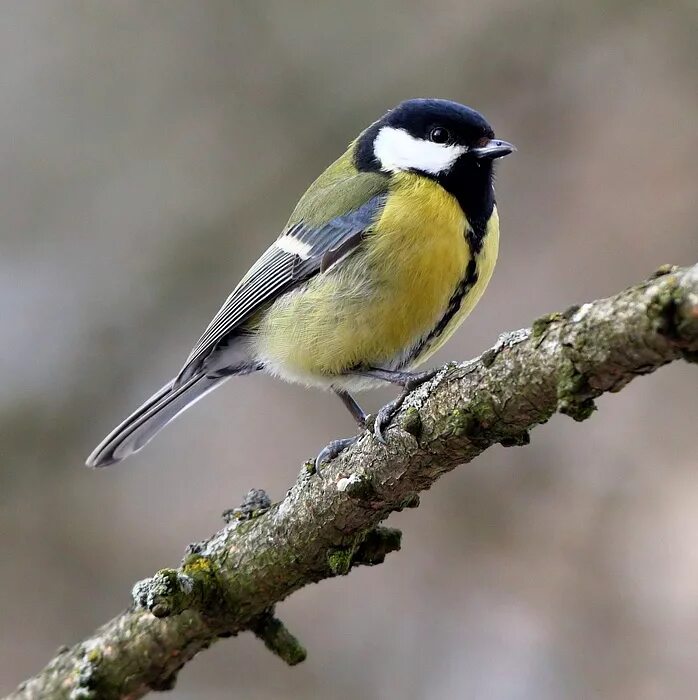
[397,150]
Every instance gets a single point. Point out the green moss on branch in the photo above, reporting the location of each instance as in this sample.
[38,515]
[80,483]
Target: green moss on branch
[230,582]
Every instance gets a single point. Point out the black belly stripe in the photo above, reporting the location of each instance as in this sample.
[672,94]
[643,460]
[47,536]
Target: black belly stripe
[475,235]
[464,286]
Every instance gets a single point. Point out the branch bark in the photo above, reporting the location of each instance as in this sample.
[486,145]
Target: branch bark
[326,525]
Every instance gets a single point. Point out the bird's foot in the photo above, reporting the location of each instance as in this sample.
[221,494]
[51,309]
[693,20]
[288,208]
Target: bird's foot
[335,448]
[387,413]
[419,378]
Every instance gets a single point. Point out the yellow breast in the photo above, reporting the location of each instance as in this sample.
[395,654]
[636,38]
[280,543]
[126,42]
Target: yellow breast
[377,305]
[420,255]
[485,261]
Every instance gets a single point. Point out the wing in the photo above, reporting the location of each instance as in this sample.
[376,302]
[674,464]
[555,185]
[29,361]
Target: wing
[301,251]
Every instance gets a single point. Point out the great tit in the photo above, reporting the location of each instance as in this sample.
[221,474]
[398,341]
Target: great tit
[383,257]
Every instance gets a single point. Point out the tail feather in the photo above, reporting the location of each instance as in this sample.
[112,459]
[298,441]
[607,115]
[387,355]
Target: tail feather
[142,425]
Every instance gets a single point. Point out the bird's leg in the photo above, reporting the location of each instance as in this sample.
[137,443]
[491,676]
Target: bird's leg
[338,446]
[356,411]
[407,380]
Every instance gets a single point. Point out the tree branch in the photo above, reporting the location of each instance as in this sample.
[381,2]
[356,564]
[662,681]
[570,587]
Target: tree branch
[326,525]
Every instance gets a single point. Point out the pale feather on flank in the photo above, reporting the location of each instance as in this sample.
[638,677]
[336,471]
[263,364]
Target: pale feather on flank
[290,244]
[397,150]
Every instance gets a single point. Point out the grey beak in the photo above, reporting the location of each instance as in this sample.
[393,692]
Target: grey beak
[494,148]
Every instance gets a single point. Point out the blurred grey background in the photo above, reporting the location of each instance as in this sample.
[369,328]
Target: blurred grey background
[150,150]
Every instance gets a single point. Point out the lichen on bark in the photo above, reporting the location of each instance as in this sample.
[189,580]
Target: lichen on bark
[232,581]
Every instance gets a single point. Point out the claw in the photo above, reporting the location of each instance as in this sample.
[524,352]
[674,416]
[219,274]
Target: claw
[335,448]
[387,413]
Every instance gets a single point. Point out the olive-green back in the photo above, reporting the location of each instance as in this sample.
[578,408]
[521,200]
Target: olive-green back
[341,188]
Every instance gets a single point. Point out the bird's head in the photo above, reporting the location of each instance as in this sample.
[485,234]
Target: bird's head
[431,137]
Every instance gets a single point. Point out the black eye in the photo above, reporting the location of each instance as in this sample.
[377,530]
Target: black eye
[439,135]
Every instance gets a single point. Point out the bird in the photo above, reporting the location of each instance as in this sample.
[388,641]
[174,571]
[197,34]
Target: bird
[383,257]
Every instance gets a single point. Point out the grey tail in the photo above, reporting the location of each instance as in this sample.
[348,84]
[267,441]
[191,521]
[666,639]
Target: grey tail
[141,427]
